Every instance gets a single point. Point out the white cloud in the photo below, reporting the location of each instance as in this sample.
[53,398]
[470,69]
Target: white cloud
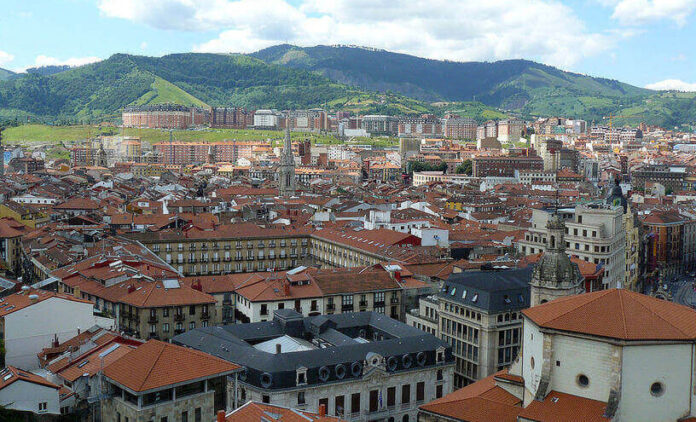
[42,60]
[544,30]
[641,12]
[5,58]
[672,85]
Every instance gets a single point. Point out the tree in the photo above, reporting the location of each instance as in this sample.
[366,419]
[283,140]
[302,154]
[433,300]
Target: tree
[465,168]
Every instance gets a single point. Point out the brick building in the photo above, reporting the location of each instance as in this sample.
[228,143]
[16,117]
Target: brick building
[505,166]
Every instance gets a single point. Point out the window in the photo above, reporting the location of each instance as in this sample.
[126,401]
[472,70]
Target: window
[340,405]
[657,389]
[264,309]
[355,403]
[43,406]
[184,416]
[164,419]
[406,393]
[192,325]
[582,380]
[165,327]
[300,397]
[438,391]
[197,414]
[420,391]
[324,402]
[165,312]
[192,310]
[391,397]
[266,398]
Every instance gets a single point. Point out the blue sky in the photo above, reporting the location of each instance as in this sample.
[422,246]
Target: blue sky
[643,42]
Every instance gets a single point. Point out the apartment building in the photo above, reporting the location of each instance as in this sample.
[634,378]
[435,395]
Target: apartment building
[358,366]
[146,300]
[456,127]
[479,317]
[505,166]
[313,292]
[427,316]
[243,247]
[159,381]
[594,233]
[353,248]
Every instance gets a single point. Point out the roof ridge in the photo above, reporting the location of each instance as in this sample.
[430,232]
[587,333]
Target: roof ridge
[623,314]
[662,318]
[159,356]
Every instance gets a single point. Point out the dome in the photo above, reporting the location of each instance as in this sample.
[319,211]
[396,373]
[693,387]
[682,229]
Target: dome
[555,269]
[616,196]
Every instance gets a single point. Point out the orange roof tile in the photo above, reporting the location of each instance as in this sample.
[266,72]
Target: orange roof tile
[11,374]
[254,411]
[619,314]
[157,364]
[562,407]
[482,401]
[22,300]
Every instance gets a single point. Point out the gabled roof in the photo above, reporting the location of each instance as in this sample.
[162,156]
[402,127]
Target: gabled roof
[11,374]
[618,314]
[24,299]
[157,364]
[482,401]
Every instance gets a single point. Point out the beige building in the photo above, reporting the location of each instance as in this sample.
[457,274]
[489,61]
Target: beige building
[143,386]
[479,316]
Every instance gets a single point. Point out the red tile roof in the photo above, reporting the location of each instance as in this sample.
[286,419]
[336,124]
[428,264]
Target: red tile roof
[157,364]
[482,401]
[619,314]
[11,374]
[562,407]
[258,412]
[23,299]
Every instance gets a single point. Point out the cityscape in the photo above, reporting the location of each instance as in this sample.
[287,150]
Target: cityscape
[310,232]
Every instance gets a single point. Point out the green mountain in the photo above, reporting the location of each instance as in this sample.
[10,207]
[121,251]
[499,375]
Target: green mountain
[99,90]
[5,74]
[520,85]
[340,78]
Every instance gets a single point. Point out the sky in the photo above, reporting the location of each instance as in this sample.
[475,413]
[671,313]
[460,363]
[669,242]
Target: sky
[647,43]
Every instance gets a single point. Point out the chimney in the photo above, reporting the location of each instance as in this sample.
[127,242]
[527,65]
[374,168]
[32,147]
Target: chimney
[197,285]
[278,348]
[286,288]
[220,416]
[322,410]
[131,289]
[397,275]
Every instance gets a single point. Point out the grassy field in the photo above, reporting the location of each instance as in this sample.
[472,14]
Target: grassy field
[164,92]
[35,133]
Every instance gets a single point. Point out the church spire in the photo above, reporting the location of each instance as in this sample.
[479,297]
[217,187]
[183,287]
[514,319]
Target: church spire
[286,171]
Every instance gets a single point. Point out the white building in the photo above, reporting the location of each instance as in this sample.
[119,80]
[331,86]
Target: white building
[26,392]
[266,119]
[28,198]
[32,319]
[594,233]
[611,355]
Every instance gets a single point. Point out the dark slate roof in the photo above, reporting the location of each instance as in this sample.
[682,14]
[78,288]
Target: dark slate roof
[491,291]
[234,343]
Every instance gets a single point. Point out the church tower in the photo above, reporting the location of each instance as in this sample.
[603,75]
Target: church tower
[286,171]
[555,275]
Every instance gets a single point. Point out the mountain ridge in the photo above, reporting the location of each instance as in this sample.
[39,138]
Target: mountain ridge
[361,80]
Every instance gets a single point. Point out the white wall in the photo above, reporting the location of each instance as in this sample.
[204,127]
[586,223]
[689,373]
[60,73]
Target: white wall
[580,356]
[533,345]
[26,396]
[29,330]
[644,365]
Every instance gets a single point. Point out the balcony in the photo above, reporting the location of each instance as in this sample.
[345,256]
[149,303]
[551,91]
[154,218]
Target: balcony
[179,331]
[228,258]
[379,304]
[330,307]
[152,320]
[216,259]
[394,300]
[347,308]
[250,258]
[205,316]
[179,317]
[192,260]
[363,303]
